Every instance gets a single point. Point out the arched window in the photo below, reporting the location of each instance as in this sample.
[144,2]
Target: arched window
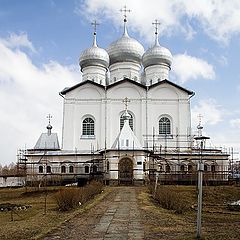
[182,168]
[88,127]
[190,168]
[205,167]
[63,169]
[49,169]
[168,169]
[164,126]
[130,120]
[95,169]
[70,169]
[40,169]
[213,168]
[86,168]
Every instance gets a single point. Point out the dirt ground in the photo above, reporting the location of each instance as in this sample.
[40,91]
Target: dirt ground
[124,213]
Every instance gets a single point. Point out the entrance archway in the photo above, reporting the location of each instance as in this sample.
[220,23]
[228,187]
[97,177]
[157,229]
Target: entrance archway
[125,168]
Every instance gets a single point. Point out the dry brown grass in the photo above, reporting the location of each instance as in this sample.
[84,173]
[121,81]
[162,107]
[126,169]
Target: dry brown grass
[218,222]
[33,223]
[69,198]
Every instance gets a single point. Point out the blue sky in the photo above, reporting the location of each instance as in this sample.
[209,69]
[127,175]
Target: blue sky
[41,41]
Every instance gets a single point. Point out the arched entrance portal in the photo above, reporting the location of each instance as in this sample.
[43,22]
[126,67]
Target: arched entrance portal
[125,168]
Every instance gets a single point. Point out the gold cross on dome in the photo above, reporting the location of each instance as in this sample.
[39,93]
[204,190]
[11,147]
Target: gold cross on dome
[125,10]
[49,118]
[95,24]
[157,24]
[126,101]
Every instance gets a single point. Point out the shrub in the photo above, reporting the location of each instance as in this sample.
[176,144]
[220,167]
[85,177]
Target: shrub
[170,199]
[69,198]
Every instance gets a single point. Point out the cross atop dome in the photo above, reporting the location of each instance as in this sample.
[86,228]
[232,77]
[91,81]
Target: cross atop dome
[126,115]
[95,24]
[126,101]
[199,126]
[156,23]
[49,126]
[49,118]
[125,10]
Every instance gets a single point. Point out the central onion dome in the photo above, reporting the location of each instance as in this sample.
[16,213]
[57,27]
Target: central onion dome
[94,56]
[125,49]
[157,55]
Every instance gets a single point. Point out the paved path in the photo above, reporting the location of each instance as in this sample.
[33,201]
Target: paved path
[115,218]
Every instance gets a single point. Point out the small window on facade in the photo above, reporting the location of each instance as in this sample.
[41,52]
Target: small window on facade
[114,79]
[150,81]
[122,121]
[127,142]
[95,168]
[63,169]
[88,127]
[108,166]
[182,168]
[101,81]
[164,126]
[213,168]
[86,169]
[168,168]
[159,79]
[205,167]
[190,167]
[144,166]
[70,169]
[49,169]
[40,169]
[139,163]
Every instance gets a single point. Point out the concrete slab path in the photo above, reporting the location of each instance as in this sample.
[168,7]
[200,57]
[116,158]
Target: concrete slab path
[117,217]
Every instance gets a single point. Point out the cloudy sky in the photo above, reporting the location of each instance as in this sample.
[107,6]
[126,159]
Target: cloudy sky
[40,44]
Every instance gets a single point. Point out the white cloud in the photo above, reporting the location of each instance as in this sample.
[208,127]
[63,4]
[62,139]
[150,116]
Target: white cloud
[212,112]
[235,123]
[187,68]
[18,41]
[27,94]
[219,19]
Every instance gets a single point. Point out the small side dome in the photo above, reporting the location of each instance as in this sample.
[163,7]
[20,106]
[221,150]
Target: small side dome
[94,56]
[125,49]
[157,55]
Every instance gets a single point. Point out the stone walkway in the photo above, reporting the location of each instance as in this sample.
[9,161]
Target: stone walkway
[115,218]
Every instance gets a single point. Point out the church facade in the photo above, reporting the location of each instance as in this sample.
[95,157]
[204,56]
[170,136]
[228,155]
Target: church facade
[124,122]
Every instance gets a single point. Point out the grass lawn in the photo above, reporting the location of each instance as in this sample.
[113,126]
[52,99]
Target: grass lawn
[217,221]
[33,223]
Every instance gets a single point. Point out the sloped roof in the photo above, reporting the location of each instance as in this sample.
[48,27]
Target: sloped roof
[171,83]
[69,89]
[65,90]
[126,139]
[47,142]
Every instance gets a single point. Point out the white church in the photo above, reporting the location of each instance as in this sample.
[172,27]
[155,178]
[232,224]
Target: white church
[124,122]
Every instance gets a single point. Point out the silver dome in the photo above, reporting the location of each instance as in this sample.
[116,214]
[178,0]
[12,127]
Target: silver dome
[94,56]
[157,55]
[125,49]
